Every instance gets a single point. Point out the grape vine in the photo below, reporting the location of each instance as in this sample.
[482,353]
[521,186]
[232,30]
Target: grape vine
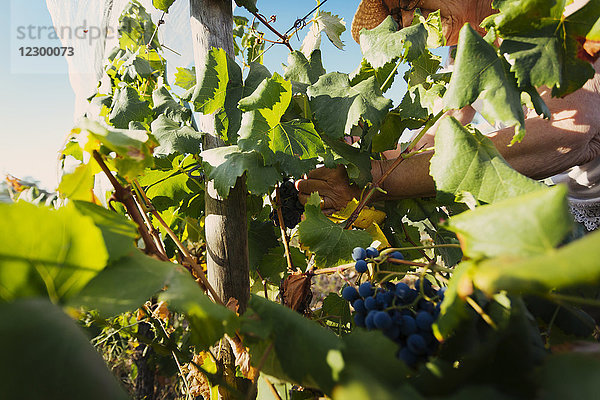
[407,298]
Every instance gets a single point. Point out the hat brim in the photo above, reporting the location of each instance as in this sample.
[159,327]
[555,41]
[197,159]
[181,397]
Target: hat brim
[368,15]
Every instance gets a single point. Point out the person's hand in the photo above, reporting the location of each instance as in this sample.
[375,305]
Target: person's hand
[333,186]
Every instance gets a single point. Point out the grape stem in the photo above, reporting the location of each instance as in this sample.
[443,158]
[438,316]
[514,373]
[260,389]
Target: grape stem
[284,238]
[332,270]
[153,231]
[124,196]
[406,153]
[264,282]
[283,39]
[432,246]
[559,298]
[272,388]
[405,262]
[415,246]
[481,312]
[196,269]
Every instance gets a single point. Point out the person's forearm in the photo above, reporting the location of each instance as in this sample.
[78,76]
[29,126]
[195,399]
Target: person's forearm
[410,179]
[549,147]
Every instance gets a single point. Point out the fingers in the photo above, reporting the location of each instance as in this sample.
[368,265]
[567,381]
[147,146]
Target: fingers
[328,205]
[332,185]
[307,186]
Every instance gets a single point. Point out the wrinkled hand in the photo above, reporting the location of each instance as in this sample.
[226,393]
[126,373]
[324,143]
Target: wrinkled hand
[333,186]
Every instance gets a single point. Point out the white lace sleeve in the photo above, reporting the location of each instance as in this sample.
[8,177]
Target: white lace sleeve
[586,213]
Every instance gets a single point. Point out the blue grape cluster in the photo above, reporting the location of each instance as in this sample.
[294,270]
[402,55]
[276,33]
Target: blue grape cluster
[401,313]
[360,255]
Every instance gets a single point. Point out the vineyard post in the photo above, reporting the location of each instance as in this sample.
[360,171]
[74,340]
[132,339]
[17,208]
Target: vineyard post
[225,225]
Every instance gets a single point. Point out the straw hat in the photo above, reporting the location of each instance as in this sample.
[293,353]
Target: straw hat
[368,15]
[371,13]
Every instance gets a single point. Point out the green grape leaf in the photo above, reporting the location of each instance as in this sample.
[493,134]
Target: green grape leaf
[119,233]
[450,255]
[44,251]
[218,90]
[476,166]
[164,104]
[209,94]
[409,115]
[538,222]
[185,77]
[330,242]
[433,25]
[422,69]
[66,365]
[339,106]
[294,144]
[568,266]
[372,351]
[73,149]
[127,106]
[124,285]
[174,138]
[273,94]
[273,265]
[384,75]
[130,66]
[261,238]
[336,309]
[137,67]
[479,73]
[249,5]
[358,161]
[544,47]
[79,184]
[136,28]
[207,320]
[323,21]
[133,146]
[257,74]
[361,384]
[569,374]
[291,334]
[163,5]
[523,15]
[454,309]
[303,71]
[225,164]
[386,43]
[172,186]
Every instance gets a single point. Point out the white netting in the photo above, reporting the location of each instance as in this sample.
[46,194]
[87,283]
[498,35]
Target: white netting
[90,27]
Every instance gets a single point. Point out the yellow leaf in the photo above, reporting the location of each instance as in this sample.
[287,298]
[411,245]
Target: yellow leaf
[369,219]
[377,235]
[367,216]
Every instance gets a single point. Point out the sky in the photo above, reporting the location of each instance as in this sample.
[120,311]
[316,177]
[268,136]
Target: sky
[38,102]
[36,108]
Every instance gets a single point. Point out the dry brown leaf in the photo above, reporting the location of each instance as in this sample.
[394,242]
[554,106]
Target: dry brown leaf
[296,293]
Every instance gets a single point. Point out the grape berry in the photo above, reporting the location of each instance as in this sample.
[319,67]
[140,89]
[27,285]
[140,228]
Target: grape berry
[291,208]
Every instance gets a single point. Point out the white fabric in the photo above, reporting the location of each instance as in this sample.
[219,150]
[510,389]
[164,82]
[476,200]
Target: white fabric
[584,193]
[586,213]
[101,19]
